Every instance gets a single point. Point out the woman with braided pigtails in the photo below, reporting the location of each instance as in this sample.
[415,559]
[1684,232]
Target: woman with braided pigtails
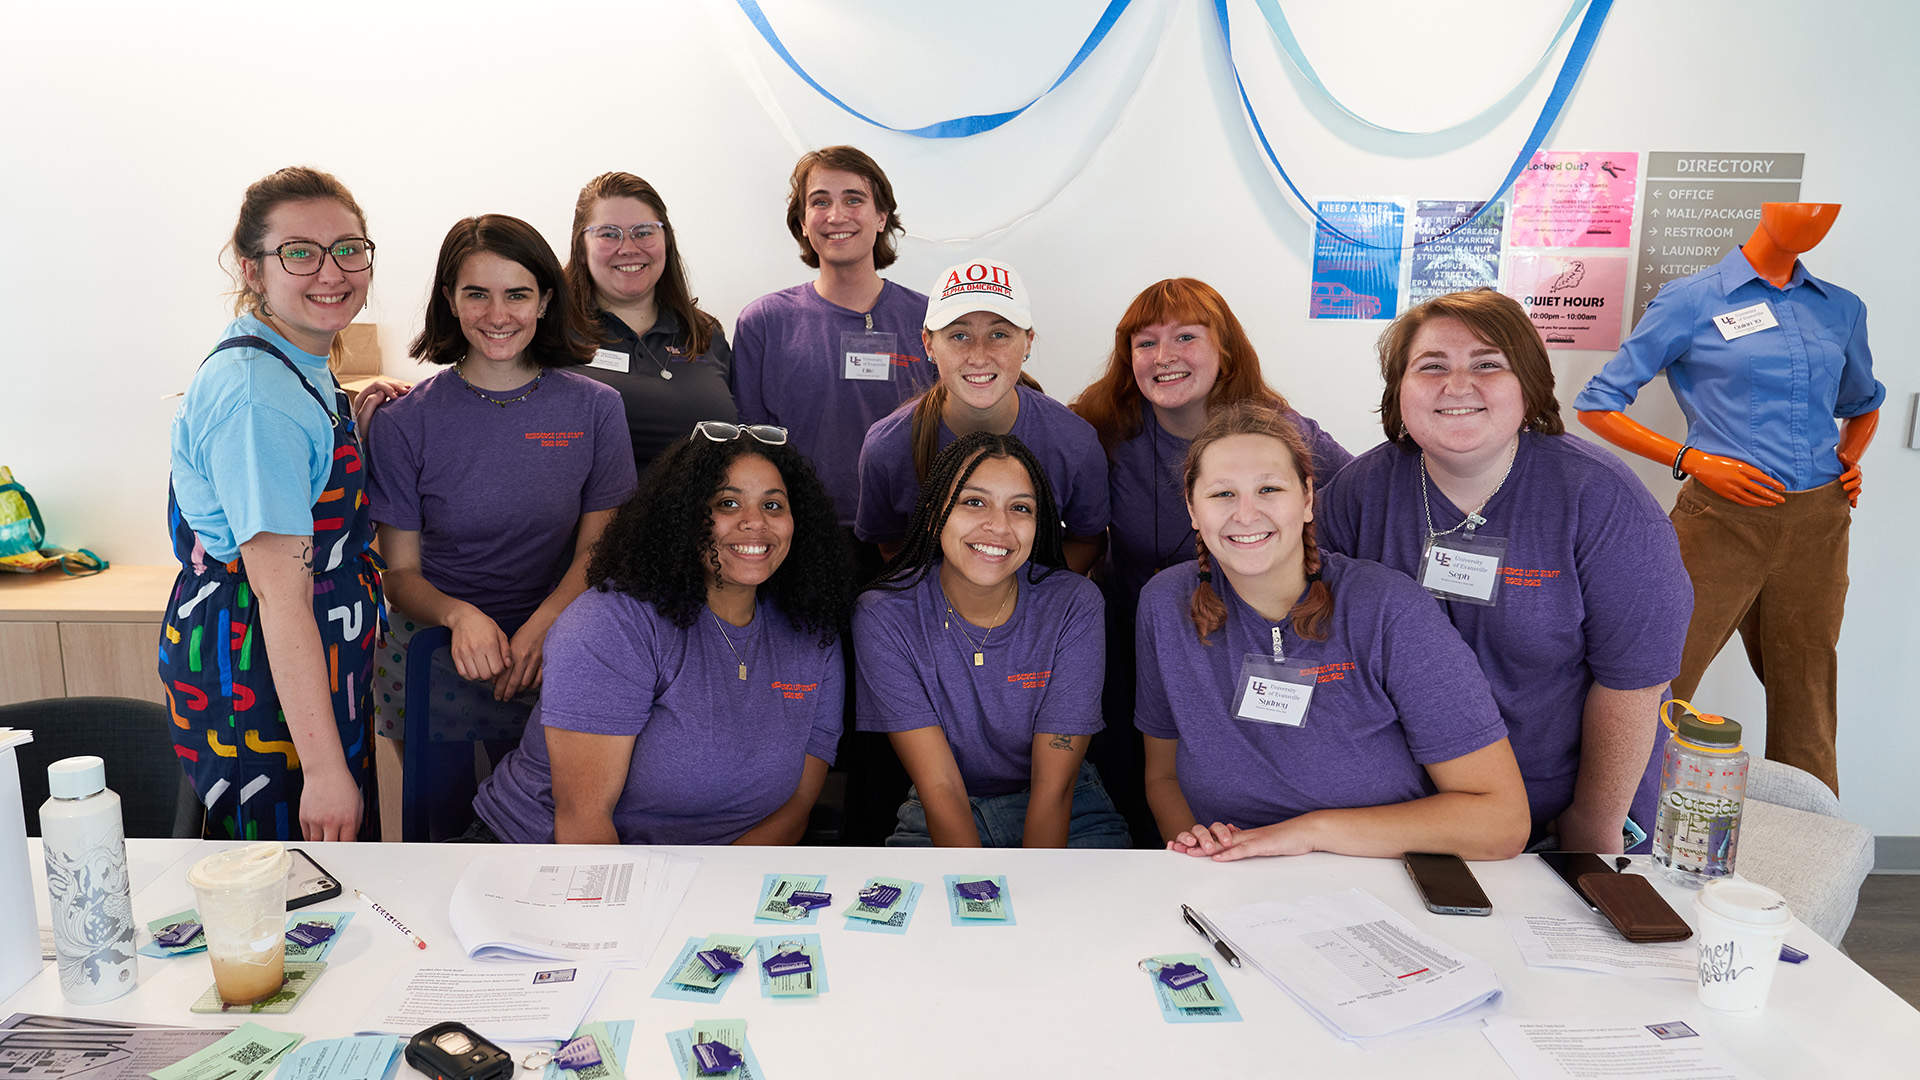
[1295,700]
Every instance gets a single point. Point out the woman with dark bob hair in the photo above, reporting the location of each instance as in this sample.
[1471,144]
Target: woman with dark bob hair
[985,679]
[667,357]
[490,482]
[695,692]
[1548,556]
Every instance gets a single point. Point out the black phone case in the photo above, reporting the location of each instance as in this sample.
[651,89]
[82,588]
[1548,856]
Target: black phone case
[308,882]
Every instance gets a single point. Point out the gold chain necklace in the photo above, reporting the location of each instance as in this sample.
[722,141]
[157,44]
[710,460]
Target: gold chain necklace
[723,637]
[980,647]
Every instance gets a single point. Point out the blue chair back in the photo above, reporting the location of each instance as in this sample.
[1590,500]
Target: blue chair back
[413,780]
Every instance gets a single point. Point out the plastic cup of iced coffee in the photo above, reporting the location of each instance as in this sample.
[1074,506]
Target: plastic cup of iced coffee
[241,896]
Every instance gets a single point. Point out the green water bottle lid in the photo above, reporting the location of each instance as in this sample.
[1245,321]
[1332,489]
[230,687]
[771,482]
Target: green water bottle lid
[1716,732]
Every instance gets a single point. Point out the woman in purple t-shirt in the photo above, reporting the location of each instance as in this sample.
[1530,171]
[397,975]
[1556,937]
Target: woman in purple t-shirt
[693,696]
[1178,352]
[490,483]
[1316,697]
[987,680]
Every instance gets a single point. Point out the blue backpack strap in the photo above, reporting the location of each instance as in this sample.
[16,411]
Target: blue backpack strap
[39,532]
[254,341]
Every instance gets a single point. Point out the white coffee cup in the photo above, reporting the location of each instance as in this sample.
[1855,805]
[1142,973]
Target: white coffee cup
[1742,926]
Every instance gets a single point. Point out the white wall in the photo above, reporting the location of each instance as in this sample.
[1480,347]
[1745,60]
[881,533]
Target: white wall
[131,129]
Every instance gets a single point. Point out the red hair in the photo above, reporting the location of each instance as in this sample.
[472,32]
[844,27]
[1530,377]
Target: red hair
[1112,402]
[1207,610]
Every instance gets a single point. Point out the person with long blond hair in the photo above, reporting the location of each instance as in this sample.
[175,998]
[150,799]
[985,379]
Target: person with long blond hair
[1295,700]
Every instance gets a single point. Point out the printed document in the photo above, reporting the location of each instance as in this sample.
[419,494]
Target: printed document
[1563,1050]
[524,906]
[1355,963]
[504,1002]
[1592,944]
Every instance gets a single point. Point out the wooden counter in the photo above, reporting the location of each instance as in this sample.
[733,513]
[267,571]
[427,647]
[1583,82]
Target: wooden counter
[64,636]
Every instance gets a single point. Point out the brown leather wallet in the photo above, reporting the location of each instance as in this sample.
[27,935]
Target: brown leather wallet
[1633,907]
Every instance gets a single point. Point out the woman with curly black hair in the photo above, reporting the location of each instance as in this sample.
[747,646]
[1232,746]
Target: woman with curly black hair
[693,695]
[987,685]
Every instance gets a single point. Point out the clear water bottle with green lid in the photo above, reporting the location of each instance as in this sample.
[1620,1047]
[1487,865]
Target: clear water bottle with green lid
[1703,785]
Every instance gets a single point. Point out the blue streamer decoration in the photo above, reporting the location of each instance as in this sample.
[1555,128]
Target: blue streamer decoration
[959,127]
[1277,22]
[1570,70]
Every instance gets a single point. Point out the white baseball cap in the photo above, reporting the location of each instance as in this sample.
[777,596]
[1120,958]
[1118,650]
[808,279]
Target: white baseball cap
[978,285]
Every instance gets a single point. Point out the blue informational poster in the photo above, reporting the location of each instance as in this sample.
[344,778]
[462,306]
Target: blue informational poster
[1448,258]
[1357,277]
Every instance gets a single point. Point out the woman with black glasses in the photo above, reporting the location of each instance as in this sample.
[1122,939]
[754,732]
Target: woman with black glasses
[694,694]
[490,482]
[668,358]
[267,648]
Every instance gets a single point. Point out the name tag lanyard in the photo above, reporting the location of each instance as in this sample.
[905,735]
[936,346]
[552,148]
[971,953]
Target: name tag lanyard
[1467,567]
[1272,691]
[867,355]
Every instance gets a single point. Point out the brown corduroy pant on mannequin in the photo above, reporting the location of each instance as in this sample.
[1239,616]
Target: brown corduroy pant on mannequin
[1778,574]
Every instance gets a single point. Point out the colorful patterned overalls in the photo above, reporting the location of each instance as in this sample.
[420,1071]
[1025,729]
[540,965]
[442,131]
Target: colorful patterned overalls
[229,730]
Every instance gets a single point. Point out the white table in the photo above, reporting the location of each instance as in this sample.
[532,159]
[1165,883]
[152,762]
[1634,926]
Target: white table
[1055,995]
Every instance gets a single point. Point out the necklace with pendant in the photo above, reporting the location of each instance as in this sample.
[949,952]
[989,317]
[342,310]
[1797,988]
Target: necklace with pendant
[458,369]
[979,647]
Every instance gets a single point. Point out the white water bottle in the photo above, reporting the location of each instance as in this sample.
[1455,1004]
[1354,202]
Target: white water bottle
[92,908]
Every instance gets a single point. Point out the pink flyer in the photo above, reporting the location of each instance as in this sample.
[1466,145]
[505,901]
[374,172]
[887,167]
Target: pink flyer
[1574,301]
[1566,198]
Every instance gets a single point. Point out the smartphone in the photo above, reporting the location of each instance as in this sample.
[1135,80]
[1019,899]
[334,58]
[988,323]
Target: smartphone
[1446,884]
[308,882]
[1571,864]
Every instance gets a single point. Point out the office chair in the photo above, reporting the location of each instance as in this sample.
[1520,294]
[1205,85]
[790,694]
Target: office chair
[413,781]
[1794,841]
[133,737]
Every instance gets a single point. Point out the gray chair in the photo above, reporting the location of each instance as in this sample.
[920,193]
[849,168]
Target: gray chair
[1794,841]
[135,740]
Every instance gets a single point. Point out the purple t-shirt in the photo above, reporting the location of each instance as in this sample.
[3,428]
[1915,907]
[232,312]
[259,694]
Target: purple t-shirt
[789,369]
[1593,590]
[496,493]
[1151,527]
[1042,673]
[1395,690]
[713,755]
[1064,444]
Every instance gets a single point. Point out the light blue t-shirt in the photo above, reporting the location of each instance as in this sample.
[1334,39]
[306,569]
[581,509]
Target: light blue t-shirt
[251,448]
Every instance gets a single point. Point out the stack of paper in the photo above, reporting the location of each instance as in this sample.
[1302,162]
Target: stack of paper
[1355,964]
[524,906]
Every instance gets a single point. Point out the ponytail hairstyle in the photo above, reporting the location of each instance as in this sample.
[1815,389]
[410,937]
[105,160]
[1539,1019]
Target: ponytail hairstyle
[925,428]
[1253,417]
[1111,403]
[940,493]
[296,183]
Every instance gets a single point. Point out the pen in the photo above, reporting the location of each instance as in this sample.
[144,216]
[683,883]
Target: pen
[1199,927]
[391,921]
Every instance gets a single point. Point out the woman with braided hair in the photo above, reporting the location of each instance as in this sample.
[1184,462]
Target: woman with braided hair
[987,680]
[1294,700]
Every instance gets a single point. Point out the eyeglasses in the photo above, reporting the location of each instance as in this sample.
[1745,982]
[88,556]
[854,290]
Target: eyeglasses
[721,431]
[611,235]
[304,258]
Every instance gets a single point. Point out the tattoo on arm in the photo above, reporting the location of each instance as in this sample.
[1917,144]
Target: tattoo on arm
[1061,742]
[306,555]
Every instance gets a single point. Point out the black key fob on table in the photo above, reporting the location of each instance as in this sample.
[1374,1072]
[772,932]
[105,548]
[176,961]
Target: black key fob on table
[454,1051]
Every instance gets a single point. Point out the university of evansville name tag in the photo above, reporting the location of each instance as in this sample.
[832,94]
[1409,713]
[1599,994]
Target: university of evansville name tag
[610,360]
[1272,692]
[1747,320]
[1464,568]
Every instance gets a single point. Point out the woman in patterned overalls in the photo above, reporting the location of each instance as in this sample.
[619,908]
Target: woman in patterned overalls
[270,525]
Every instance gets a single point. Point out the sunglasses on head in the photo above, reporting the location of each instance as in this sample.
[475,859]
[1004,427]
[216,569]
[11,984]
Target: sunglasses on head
[721,431]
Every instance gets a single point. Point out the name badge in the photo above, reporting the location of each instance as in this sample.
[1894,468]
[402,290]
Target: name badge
[1747,320]
[1273,692]
[866,356]
[609,360]
[1464,568]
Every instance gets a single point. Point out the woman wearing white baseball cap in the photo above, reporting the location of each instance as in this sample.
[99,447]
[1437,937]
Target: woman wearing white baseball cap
[979,332]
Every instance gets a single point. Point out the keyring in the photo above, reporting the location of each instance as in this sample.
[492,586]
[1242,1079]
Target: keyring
[1155,961]
[536,1059]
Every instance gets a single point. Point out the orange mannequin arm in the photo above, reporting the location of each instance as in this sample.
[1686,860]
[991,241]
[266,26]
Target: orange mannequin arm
[1855,433]
[1727,477]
